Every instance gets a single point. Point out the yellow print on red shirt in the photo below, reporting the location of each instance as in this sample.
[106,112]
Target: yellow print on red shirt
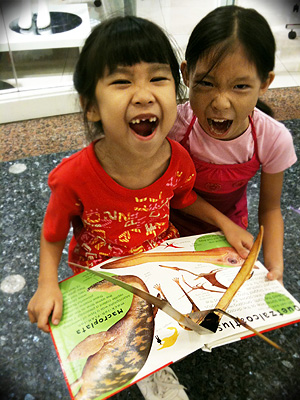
[149,217]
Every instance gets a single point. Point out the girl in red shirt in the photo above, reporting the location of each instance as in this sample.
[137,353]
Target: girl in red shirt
[116,193]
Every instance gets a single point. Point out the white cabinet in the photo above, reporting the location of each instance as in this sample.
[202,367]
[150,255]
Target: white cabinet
[36,67]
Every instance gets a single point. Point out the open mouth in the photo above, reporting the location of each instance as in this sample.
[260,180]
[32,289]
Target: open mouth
[145,126]
[219,126]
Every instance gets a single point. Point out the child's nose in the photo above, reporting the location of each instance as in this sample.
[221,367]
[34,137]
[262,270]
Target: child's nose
[221,101]
[143,95]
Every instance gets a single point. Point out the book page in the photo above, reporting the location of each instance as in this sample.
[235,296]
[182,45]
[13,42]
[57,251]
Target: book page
[123,338]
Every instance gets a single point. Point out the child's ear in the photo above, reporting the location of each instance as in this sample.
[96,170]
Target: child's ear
[265,85]
[92,112]
[184,73]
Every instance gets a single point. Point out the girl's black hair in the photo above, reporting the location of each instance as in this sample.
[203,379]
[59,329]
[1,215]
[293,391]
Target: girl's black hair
[228,26]
[220,31]
[121,41]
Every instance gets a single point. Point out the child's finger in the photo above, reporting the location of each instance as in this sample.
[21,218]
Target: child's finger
[31,316]
[275,274]
[248,245]
[243,251]
[42,322]
[57,313]
[248,241]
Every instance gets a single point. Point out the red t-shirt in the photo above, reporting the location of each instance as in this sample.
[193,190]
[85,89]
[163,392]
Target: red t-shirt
[108,219]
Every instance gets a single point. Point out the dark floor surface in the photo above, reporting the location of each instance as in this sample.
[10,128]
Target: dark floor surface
[29,368]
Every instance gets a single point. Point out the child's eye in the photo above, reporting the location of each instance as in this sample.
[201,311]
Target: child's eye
[120,82]
[241,86]
[159,78]
[203,84]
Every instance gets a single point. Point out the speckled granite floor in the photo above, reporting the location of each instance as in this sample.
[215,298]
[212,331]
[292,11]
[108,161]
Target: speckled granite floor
[29,368]
[66,132]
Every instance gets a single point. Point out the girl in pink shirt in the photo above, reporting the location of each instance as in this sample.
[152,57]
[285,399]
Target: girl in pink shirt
[229,64]
[116,193]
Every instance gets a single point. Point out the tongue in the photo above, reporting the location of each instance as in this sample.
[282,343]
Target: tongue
[144,128]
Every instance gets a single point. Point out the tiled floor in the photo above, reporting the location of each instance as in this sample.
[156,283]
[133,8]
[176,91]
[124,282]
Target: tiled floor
[29,369]
[66,132]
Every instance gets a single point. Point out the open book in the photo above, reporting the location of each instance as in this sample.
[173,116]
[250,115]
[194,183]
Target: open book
[109,339]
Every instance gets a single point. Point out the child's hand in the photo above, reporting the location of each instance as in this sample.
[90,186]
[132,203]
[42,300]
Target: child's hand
[46,300]
[239,238]
[275,272]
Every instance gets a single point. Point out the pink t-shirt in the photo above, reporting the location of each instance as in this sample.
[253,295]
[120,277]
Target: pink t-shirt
[275,144]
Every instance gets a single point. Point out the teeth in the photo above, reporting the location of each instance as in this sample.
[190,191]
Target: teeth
[137,121]
[219,120]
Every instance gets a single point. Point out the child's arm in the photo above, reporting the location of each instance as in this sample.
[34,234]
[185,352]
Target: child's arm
[47,298]
[238,237]
[269,214]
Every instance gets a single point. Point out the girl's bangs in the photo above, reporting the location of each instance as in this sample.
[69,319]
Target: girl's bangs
[133,48]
